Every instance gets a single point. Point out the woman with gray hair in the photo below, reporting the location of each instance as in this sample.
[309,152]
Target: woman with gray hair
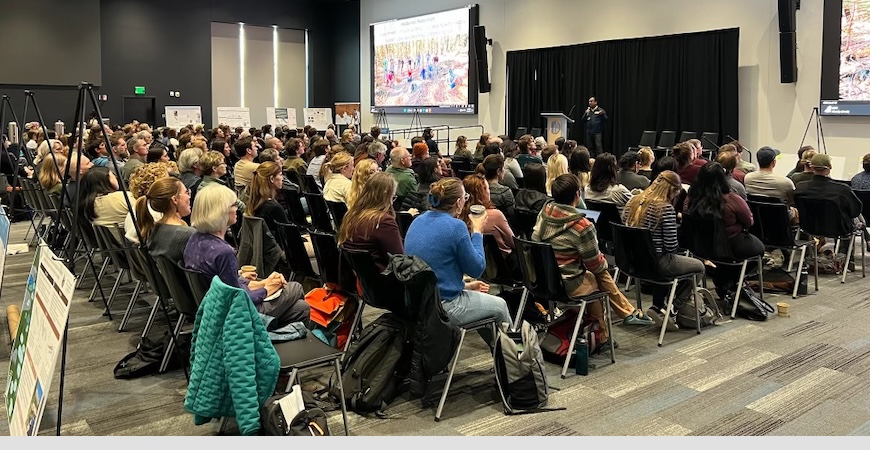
[188,165]
[214,211]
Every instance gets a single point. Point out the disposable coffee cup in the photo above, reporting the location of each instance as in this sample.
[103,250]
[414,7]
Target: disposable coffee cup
[477,210]
[782,309]
[246,269]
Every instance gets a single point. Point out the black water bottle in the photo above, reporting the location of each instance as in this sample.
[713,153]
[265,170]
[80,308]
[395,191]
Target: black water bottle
[581,362]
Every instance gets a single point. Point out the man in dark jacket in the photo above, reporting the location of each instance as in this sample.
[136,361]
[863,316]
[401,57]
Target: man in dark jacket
[595,119]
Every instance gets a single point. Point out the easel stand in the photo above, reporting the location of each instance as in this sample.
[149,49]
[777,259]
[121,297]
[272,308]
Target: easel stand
[820,133]
[381,120]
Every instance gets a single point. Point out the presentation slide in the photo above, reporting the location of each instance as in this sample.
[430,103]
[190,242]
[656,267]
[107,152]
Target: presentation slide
[422,64]
[846,58]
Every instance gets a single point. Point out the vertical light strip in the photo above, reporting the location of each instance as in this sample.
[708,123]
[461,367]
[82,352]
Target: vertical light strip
[306,69]
[241,64]
[275,64]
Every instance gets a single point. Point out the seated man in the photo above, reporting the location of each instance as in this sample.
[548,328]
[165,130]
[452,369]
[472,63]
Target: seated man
[627,176]
[765,182]
[575,245]
[821,186]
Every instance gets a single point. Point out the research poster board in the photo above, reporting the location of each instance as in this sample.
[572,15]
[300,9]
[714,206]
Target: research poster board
[319,118]
[234,116]
[279,116]
[37,345]
[347,113]
[182,116]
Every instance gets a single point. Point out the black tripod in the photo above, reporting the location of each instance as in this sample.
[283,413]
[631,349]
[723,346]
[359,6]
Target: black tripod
[820,133]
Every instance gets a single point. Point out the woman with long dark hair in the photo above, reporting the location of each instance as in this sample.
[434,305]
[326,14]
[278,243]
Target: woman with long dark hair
[100,201]
[580,164]
[711,198]
[603,186]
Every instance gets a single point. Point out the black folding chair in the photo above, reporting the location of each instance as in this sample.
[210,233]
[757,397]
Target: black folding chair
[773,228]
[500,273]
[182,296]
[290,239]
[821,217]
[319,213]
[310,185]
[293,205]
[337,210]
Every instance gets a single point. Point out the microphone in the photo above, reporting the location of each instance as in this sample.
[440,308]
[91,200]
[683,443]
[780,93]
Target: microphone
[741,145]
[708,140]
[572,110]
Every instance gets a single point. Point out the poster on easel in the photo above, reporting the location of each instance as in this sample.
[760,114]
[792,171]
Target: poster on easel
[277,116]
[37,344]
[347,114]
[319,118]
[234,116]
[182,116]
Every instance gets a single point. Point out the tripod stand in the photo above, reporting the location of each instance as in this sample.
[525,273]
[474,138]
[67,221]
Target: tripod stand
[820,133]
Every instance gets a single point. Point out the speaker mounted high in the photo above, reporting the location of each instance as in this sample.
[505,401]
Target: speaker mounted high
[481,62]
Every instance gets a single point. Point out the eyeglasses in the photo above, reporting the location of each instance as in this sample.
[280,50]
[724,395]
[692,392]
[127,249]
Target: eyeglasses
[467,196]
[236,204]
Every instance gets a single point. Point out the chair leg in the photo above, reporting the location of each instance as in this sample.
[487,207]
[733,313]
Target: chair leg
[848,257]
[637,294]
[523,298]
[627,283]
[99,277]
[697,295]
[667,311]
[739,288]
[761,276]
[130,306]
[863,255]
[797,275]
[462,332]
[341,400]
[816,263]
[114,290]
[171,346]
[151,316]
[290,381]
[573,340]
[608,310]
[356,321]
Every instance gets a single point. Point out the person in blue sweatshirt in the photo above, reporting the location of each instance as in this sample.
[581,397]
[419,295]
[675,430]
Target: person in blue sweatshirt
[441,240]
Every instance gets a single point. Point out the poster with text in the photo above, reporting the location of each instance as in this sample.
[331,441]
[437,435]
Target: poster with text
[37,345]
[277,116]
[347,113]
[234,116]
[182,116]
[319,118]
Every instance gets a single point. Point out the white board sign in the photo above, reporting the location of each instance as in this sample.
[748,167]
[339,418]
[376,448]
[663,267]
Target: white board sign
[234,116]
[37,345]
[181,116]
[279,116]
[319,118]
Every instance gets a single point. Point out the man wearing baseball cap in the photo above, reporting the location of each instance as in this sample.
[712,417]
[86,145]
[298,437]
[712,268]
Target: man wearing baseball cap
[822,187]
[764,182]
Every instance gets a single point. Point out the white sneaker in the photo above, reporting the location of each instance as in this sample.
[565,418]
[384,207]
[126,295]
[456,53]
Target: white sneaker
[658,317]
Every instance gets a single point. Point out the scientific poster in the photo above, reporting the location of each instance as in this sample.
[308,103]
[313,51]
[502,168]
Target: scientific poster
[277,116]
[182,116]
[37,344]
[319,118]
[234,116]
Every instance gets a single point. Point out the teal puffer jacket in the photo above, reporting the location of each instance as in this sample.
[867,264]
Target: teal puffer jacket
[234,367]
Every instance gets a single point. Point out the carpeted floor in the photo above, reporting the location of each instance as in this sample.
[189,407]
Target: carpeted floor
[808,374]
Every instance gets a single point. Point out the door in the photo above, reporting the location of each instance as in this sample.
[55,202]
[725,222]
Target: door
[141,109]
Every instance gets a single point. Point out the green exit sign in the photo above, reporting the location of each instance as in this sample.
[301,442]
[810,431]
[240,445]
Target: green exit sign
[139,90]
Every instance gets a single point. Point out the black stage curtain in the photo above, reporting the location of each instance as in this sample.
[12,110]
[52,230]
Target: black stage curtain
[685,82]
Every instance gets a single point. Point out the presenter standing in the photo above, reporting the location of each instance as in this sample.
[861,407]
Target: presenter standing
[595,118]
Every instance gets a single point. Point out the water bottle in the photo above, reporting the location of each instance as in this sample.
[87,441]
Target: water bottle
[581,362]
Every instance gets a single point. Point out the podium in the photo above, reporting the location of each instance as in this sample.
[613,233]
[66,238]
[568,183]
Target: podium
[557,126]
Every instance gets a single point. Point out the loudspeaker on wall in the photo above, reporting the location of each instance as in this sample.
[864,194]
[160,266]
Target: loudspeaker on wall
[787,57]
[480,59]
[787,19]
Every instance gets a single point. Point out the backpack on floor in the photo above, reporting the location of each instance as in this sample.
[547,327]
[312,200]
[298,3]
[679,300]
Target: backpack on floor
[519,371]
[777,280]
[708,310]
[376,365]
[556,338]
[311,421]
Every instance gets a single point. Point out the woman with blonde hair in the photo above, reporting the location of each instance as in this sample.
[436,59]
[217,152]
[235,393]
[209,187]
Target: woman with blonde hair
[557,164]
[653,209]
[49,175]
[481,144]
[647,158]
[362,172]
[370,223]
[461,148]
[168,235]
[337,173]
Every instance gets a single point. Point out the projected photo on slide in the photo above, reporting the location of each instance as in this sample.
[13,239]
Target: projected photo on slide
[422,64]
[845,84]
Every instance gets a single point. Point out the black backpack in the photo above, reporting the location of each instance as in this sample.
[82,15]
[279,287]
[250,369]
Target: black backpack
[376,365]
[311,421]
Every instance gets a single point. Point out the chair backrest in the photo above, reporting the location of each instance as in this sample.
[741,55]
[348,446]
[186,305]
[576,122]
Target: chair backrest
[771,223]
[378,290]
[709,140]
[497,270]
[197,282]
[864,196]
[535,132]
[404,219]
[310,185]
[329,261]
[524,222]
[464,173]
[666,139]
[295,177]
[338,210]
[291,240]
[521,131]
[319,213]
[111,245]
[293,205]
[647,139]
[762,198]
[634,252]
[458,163]
[609,214]
[705,238]
[822,217]
[686,135]
[149,269]
[541,275]
[251,245]
[179,287]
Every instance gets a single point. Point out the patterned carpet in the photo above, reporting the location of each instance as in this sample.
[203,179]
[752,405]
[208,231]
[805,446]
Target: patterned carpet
[804,375]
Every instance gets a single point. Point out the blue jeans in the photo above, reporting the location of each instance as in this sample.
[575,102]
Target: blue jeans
[471,306]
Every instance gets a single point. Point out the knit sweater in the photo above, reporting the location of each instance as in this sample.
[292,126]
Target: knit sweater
[574,242]
[442,242]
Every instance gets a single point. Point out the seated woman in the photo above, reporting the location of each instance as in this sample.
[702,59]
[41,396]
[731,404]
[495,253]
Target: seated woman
[647,158]
[371,222]
[49,173]
[653,209]
[430,171]
[557,164]
[461,148]
[337,173]
[711,198]
[456,255]
[213,165]
[501,196]
[420,151]
[684,154]
[100,200]
[140,182]
[167,236]
[580,165]
[603,186]
[496,223]
[362,172]
[157,154]
[533,196]
[206,252]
